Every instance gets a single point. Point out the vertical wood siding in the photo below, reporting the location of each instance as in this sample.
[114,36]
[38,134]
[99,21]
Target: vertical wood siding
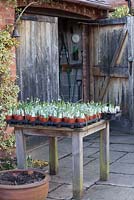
[37,59]
[103,44]
[130,25]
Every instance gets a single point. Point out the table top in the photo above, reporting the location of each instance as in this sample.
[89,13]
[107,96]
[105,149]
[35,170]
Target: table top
[52,130]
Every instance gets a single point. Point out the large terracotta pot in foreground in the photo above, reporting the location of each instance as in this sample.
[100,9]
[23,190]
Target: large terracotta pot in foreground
[32,191]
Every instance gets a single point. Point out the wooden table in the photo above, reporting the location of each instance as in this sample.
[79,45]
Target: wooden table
[77,136]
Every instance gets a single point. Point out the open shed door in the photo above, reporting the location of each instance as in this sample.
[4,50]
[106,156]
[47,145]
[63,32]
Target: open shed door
[109,71]
[38,59]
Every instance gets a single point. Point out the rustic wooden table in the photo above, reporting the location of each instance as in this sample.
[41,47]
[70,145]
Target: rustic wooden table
[77,136]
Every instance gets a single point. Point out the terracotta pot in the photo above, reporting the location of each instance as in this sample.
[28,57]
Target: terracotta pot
[65,119]
[80,120]
[32,119]
[71,120]
[19,117]
[9,117]
[56,119]
[33,191]
[15,116]
[90,117]
[43,119]
[94,116]
[27,117]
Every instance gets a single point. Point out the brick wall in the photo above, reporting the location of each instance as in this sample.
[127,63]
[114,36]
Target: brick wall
[116,3]
[6,18]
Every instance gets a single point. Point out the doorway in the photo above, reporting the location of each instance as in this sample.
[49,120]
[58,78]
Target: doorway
[70,60]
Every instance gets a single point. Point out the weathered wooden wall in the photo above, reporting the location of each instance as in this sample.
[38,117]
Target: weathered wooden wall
[130,26]
[109,72]
[38,58]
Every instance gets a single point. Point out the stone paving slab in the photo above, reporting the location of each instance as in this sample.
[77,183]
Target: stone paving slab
[106,192]
[114,155]
[90,152]
[126,139]
[120,168]
[128,158]
[67,161]
[123,180]
[63,192]
[40,153]
[53,186]
[120,185]
[122,147]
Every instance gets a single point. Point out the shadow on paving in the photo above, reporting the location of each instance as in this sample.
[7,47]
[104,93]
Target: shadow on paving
[121,181]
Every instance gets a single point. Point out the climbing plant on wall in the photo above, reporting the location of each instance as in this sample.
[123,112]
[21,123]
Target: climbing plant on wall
[8,88]
[119,12]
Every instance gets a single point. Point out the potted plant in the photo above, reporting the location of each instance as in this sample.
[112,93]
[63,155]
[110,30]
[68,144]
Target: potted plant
[23,184]
[9,114]
[43,116]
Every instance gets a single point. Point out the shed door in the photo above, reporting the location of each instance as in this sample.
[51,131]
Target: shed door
[109,64]
[37,58]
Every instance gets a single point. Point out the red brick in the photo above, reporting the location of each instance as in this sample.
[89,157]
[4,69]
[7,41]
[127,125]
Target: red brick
[7,18]
[116,3]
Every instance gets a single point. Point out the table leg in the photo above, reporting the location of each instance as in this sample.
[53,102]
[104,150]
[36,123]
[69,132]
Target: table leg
[20,149]
[104,153]
[53,156]
[77,161]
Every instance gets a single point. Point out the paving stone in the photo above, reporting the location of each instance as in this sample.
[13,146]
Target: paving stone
[104,192]
[67,161]
[91,173]
[40,153]
[89,152]
[113,155]
[91,137]
[126,139]
[95,145]
[63,192]
[122,147]
[64,176]
[119,180]
[128,158]
[124,168]
[53,186]
[118,187]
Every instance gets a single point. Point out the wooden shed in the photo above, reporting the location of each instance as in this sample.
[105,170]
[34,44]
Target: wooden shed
[67,51]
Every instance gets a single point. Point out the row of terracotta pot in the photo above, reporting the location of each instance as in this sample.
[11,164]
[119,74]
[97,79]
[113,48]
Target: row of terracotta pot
[53,119]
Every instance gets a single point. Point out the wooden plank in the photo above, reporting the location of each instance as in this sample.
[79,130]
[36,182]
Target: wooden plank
[104,153]
[77,161]
[38,60]
[91,63]
[113,63]
[130,25]
[39,18]
[85,78]
[94,130]
[53,156]
[108,21]
[73,7]
[115,72]
[20,149]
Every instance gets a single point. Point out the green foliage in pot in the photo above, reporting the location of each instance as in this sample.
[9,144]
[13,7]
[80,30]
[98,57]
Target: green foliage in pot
[8,89]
